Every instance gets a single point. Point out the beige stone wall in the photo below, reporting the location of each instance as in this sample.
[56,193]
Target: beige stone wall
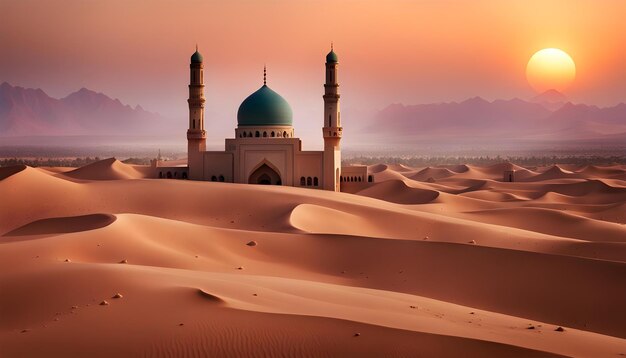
[310,167]
[218,166]
[354,174]
[171,173]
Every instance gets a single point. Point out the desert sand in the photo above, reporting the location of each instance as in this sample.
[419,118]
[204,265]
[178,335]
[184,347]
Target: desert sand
[429,262]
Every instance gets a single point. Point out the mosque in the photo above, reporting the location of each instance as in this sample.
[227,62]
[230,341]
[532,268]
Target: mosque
[265,149]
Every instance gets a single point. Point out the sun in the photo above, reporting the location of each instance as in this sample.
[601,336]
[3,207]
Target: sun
[550,68]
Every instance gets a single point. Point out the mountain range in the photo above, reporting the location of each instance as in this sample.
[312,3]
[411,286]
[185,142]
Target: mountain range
[31,112]
[549,116]
[546,117]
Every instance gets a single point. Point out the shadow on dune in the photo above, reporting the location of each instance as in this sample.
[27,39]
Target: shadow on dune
[63,225]
[8,171]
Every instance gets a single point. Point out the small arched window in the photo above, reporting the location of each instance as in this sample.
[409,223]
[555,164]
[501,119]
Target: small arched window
[194,124]
[264,134]
[273,134]
[244,134]
[257,134]
[309,181]
[169,175]
[370,178]
[221,178]
[214,178]
[160,174]
[316,182]
[285,134]
[359,179]
[302,181]
[334,134]
[184,175]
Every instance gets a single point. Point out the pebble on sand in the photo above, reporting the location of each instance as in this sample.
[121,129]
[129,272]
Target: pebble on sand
[251,243]
[472,241]
[104,303]
[118,295]
[240,268]
[25,330]
[68,260]
[560,329]
[357,334]
[124,261]
[530,327]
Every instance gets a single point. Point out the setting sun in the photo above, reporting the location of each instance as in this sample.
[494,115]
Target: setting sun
[550,68]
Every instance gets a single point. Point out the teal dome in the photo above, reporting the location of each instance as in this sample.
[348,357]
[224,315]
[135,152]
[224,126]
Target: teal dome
[264,108]
[332,57]
[196,57]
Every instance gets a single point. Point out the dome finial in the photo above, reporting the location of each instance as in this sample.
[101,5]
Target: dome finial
[264,75]
[331,46]
[196,47]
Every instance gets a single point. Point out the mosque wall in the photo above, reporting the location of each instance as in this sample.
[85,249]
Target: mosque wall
[218,166]
[309,167]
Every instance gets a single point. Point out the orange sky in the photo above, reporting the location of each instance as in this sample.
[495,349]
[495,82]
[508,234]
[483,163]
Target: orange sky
[389,51]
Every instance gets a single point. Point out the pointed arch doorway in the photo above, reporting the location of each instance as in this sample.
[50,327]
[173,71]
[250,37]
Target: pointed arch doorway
[265,175]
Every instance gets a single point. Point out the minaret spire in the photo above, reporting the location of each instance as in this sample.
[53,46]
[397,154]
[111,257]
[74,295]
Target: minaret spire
[196,135]
[264,75]
[331,129]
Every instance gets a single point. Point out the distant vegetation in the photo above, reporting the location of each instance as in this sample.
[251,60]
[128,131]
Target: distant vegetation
[531,161]
[63,162]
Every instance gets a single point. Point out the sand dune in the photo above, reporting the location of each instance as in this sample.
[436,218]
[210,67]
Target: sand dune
[64,225]
[107,169]
[616,172]
[463,266]
[432,173]
[555,172]
[399,192]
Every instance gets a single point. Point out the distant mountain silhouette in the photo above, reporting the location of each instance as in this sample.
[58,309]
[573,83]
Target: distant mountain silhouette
[480,120]
[550,96]
[31,112]
[551,99]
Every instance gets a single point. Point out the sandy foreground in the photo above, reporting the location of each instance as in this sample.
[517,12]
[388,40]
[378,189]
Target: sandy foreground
[425,262]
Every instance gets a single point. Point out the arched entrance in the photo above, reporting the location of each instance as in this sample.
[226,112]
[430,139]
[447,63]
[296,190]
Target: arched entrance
[265,175]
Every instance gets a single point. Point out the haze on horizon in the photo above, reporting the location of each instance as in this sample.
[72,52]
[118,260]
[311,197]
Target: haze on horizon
[391,52]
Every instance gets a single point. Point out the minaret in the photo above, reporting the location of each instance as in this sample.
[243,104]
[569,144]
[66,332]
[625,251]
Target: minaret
[196,135]
[332,125]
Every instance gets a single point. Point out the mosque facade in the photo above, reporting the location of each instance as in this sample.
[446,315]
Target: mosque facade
[265,148]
